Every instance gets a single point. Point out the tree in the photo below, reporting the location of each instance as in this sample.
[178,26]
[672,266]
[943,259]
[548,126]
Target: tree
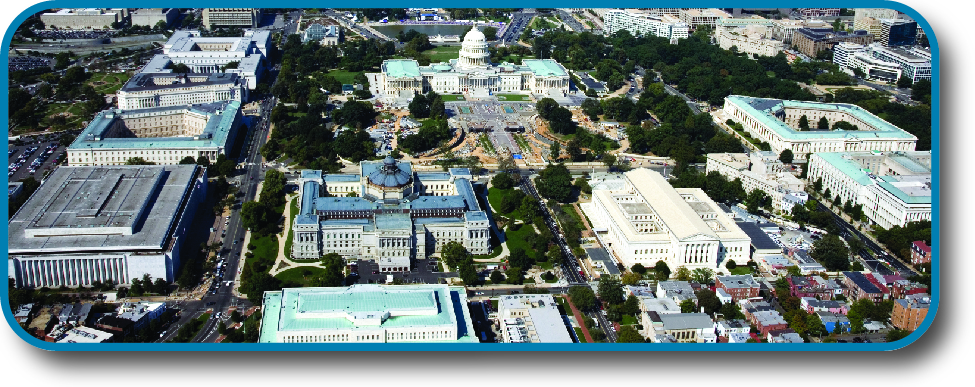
[755,200]
[703,275]
[582,297]
[555,182]
[921,91]
[896,334]
[803,122]
[628,334]
[188,160]
[610,290]
[490,33]
[334,271]
[661,271]
[823,123]
[467,272]
[687,306]
[555,151]
[683,274]
[497,277]
[731,311]
[817,186]
[609,160]
[454,254]
[904,82]
[786,156]
[514,276]
[831,252]
[708,300]
[639,269]
[631,279]
[631,306]
[221,328]
[502,181]
[138,161]
[731,265]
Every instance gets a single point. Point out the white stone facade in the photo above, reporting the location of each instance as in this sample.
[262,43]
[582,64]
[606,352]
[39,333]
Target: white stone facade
[646,220]
[760,170]
[82,18]
[231,17]
[146,90]
[750,40]
[645,23]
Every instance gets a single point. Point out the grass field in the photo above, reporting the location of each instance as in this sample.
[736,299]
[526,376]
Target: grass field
[301,275]
[494,197]
[513,97]
[516,240]
[443,53]
[629,320]
[55,108]
[582,338]
[741,270]
[107,83]
[452,97]
[291,231]
[346,77]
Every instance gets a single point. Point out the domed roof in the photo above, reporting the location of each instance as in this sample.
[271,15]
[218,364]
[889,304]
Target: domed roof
[389,175]
[475,35]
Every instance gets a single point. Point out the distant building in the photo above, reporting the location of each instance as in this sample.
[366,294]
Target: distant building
[876,13]
[683,327]
[367,314]
[740,287]
[696,17]
[808,13]
[750,36]
[24,313]
[531,318]
[810,41]
[329,35]
[86,335]
[141,313]
[762,171]
[920,253]
[473,72]
[211,55]
[833,320]
[676,290]
[728,327]
[152,16]
[767,320]
[776,122]
[909,313]
[163,135]
[914,62]
[148,90]
[812,305]
[785,29]
[83,18]
[786,335]
[861,286]
[893,187]
[104,223]
[645,23]
[851,56]
[645,220]
[75,314]
[897,32]
[231,17]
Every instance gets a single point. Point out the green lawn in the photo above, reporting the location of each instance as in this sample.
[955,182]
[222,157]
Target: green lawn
[582,337]
[265,248]
[108,83]
[300,275]
[516,240]
[571,210]
[494,197]
[291,230]
[443,53]
[629,320]
[513,97]
[546,265]
[452,97]
[494,304]
[741,270]
[552,281]
[346,77]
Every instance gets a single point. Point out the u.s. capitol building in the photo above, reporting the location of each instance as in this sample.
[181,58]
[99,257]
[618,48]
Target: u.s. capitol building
[473,72]
[395,214]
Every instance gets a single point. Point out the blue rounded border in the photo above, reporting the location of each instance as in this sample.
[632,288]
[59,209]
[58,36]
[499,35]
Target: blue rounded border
[936,202]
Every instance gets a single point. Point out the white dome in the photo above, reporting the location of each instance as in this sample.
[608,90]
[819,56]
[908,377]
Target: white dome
[475,35]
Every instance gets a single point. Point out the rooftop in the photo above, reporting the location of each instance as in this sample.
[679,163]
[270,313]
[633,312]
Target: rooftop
[221,117]
[102,208]
[678,321]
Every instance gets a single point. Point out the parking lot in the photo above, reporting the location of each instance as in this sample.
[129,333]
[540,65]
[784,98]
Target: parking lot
[422,273]
[32,160]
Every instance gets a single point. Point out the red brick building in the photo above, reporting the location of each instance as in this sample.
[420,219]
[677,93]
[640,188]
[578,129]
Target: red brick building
[909,313]
[920,253]
[739,287]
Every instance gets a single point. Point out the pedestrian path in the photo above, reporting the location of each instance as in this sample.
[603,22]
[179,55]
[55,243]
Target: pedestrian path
[578,315]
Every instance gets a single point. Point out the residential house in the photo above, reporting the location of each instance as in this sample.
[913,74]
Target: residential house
[783,336]
[920,253]
[676,290]
[812,305]
[861,286]
[727,327]
[832,320]
[740,287]
[767,321]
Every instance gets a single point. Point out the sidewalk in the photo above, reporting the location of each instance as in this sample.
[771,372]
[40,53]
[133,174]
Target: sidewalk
[578,315]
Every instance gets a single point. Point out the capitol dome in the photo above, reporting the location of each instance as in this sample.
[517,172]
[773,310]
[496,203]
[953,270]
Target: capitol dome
[390,175]
[474,51]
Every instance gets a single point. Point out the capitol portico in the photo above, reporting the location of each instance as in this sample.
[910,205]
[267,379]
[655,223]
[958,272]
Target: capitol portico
[473,72]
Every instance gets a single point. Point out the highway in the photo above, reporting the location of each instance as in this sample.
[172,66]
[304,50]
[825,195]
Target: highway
[570,264]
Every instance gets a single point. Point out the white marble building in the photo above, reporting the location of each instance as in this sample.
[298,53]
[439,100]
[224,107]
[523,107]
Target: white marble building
[642,219]
[473,72]
[395,215]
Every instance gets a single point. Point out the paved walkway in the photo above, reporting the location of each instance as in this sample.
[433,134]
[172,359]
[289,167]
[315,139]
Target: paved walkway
[578,315]
[282,238]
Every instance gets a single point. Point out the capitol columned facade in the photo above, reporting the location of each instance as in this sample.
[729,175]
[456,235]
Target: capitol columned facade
[473,72]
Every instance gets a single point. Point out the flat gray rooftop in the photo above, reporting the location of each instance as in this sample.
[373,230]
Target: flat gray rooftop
[636,208]
[101,208]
